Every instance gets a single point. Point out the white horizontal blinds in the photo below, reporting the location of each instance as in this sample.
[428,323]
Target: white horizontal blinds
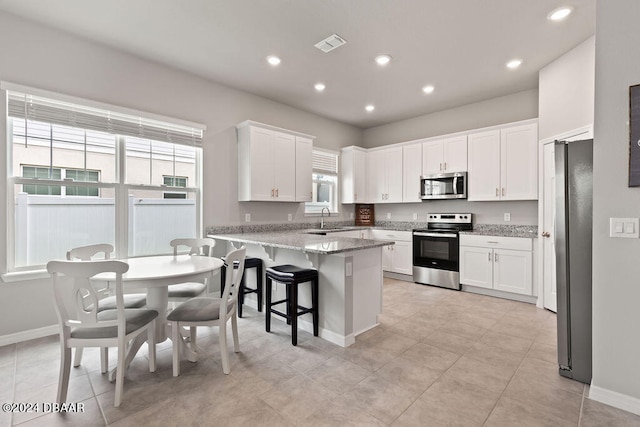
[37,108]
[324,161]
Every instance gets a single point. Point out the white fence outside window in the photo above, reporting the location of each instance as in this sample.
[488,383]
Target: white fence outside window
[48,226]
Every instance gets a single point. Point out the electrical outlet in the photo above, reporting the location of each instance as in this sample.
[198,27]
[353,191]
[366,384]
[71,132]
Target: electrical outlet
[507,216]
[388,215]
[290,217]
[350,215]
[348,269]
[247,217]
[415,216]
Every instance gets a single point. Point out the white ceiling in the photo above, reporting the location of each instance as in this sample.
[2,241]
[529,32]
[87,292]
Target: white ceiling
[459,46]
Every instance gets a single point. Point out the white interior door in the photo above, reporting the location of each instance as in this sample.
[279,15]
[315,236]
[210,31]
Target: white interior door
[548,231]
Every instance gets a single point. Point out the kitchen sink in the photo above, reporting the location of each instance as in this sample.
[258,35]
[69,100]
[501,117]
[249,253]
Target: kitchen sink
[330,229]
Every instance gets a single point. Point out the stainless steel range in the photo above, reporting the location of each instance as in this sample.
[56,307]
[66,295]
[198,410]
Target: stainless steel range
[436,250]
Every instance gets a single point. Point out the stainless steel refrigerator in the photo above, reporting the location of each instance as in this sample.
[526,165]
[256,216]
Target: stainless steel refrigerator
[573,240]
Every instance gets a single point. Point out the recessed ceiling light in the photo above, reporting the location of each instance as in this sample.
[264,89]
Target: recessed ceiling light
[319,87]
[514,63]
[273,60]
[369,108]
[560,13]
[383,59]
[428,89]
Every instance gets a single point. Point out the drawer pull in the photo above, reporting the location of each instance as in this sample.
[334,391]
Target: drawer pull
[495,243]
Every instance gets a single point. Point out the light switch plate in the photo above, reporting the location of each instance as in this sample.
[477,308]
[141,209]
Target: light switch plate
[289,217]
[624,227]
[247,217]
[388,215]
[415,216]
[507,216]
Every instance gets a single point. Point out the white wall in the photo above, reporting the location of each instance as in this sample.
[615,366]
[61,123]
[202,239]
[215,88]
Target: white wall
[39,57]
[505,109]
[566,91]
[616,270]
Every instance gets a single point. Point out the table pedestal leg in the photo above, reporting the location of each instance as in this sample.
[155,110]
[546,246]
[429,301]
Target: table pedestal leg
[157,299]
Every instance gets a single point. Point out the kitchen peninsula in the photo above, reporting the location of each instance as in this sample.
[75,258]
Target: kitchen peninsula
[350,275]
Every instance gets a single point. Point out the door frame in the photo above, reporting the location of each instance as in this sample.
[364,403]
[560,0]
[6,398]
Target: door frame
[584,132]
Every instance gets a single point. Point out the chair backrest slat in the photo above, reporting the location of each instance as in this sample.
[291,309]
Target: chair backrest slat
[197,246]
[86,253]
[233,278]
[73,278]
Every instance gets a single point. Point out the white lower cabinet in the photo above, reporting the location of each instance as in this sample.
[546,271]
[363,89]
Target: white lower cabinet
[356,234]
[397,258]
[500,263]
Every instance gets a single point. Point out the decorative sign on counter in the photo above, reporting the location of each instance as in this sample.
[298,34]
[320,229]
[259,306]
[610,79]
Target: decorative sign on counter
[365,215]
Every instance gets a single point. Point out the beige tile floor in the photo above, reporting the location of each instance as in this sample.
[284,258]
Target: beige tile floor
[439,357]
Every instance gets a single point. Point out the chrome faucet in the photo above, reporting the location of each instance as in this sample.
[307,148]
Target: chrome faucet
[322,216]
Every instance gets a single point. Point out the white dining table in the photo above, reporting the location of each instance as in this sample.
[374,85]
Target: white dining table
[155,274]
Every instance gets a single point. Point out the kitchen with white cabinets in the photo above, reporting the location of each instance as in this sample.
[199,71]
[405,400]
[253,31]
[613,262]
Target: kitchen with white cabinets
[269,187]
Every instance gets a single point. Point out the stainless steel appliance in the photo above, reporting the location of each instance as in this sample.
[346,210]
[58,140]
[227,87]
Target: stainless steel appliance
[444,186]
[573,228]
[436,250]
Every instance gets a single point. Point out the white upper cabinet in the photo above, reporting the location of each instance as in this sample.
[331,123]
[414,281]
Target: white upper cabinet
[304,164]
[484,166]
[519,162]
[503,163]
[353,175]
[384,175]
[411,172]
[445,155]
[267,167]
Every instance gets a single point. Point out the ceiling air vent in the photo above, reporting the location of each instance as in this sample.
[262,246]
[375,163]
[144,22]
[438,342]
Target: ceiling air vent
[330,43]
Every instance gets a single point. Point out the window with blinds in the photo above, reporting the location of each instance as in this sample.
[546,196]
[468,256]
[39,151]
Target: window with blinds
[82,172]
[325,182]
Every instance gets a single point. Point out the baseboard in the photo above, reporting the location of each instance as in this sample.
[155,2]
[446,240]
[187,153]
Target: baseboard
[333,337]
[29,335]
[615,399]
[398,276]
[499,294]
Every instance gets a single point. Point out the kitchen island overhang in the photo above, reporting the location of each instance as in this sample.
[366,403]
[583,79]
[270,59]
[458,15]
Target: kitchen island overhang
[349,270]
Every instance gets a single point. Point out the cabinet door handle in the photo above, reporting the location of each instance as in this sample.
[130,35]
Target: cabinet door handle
[276,192]
[440,167]
[495,257]
[355,196]
[489,256]
[273,192]
[445,165]
[497,192]
[503,191]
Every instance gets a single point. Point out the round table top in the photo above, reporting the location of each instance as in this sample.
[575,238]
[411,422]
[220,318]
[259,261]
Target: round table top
[165,268]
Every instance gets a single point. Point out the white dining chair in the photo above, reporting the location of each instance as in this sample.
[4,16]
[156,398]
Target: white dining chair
[93,328]
[106,301]
[209,311]
[197,246]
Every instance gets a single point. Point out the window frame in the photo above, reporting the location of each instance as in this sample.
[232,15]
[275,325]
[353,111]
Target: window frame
[314,208]
[121,190]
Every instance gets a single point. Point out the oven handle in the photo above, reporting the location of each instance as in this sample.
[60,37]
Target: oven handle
[435,234]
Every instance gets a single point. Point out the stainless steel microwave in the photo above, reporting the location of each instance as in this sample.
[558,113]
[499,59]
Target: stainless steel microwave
[444,186]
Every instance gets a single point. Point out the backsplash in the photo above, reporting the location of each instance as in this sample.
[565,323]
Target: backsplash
[487,229]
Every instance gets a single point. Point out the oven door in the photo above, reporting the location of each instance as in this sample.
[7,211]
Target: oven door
[439,250]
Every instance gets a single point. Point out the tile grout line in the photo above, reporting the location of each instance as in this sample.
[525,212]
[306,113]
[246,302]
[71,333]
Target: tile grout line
[508,383]
[584,390]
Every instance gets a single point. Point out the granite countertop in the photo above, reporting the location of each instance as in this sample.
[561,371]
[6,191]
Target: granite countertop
[303,241]
[501,230]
